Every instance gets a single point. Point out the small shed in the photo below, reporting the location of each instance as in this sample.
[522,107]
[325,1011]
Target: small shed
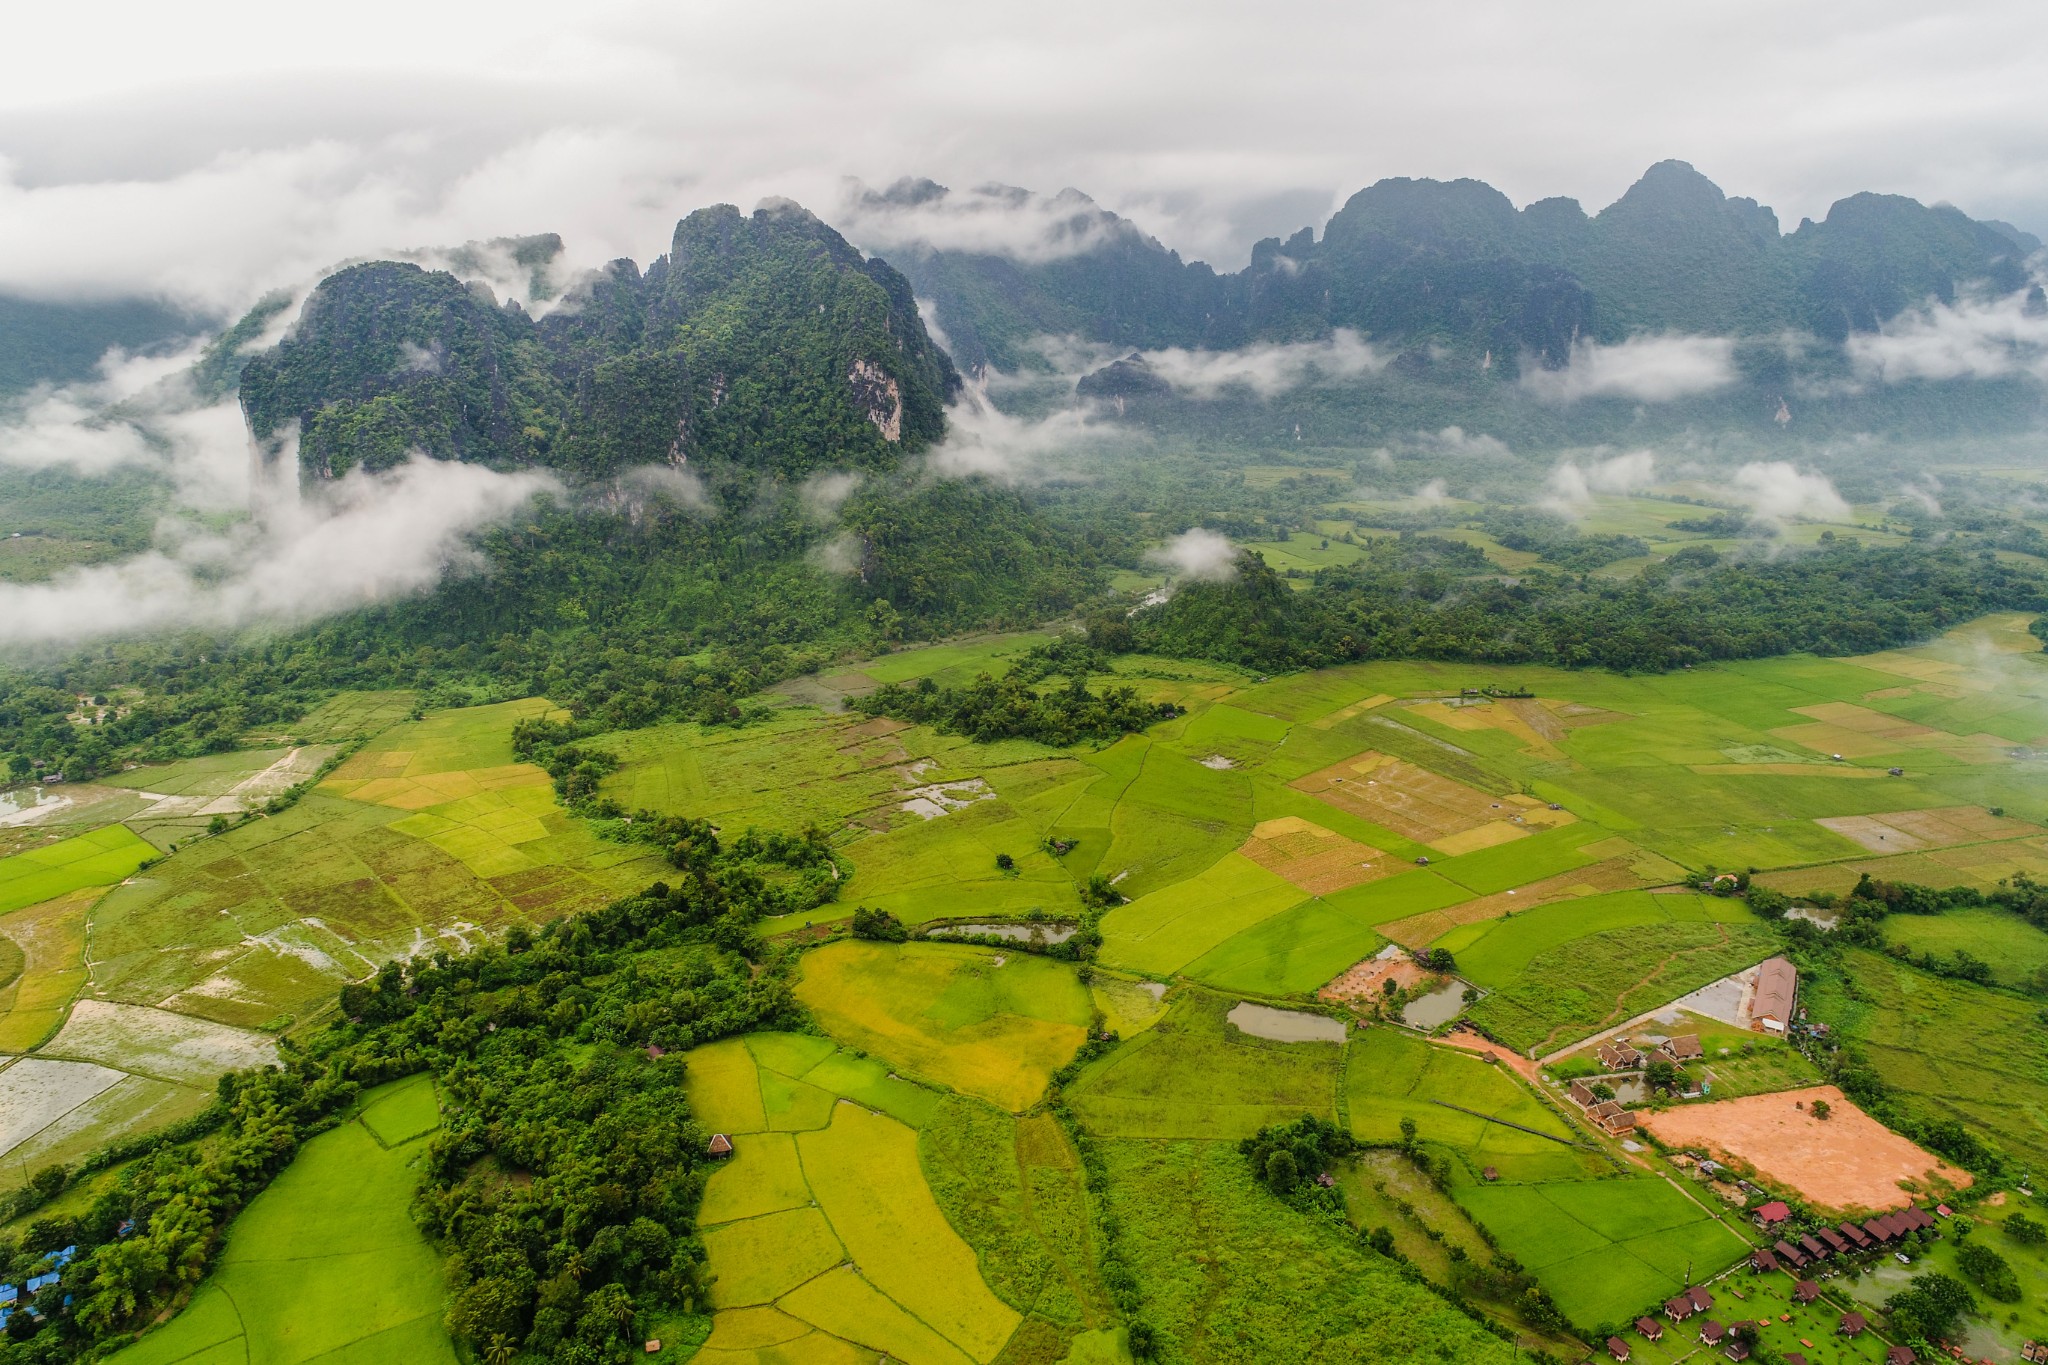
[1490,1174]
[719,1146]
[1793,1358]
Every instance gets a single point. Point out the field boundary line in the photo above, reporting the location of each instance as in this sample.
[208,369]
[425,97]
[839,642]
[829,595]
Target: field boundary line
[1510,1123]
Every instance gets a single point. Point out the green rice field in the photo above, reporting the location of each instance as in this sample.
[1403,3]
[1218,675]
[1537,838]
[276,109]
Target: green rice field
[326,1264]
[1607,1250]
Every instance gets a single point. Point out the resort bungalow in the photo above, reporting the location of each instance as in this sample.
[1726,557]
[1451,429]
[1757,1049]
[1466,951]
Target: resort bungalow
[1852,1324]
[1582,1095]
[1900,1355]
[1711,1332]
[1806,1291]
[1617,1348]
[1649,1329]
[1684,1048]
[1880,1231]
[1793,1358]
[1770,1007]
[1790,1256]
[1763,1258]
[1678,1309]
[1812,1247]
[1616,1119]
[1701,1299]
[1836,1242]
[1738,1350]
[1855,1236]
[1770,1215]
[1619,1056]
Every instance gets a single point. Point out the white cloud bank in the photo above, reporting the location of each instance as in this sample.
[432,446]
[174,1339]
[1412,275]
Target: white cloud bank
[1971,339]
[1649,369]
[1571,486]
[1197,555]
[1775,491]
[988,220]
[366,539]
[1267,370]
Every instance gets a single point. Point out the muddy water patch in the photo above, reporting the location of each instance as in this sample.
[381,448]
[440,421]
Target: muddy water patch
[1286,1026]
[1437,1008]
[1016,933]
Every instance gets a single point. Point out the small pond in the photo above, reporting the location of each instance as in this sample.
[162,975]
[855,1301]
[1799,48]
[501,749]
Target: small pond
[1436,1009]
[1286,1026]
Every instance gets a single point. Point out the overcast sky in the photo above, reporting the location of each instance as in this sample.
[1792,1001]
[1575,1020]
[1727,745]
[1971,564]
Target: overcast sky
[216,148]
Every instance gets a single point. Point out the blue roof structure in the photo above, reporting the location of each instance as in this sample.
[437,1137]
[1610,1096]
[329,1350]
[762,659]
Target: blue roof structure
[8,1293]
[38,1283]
[60,1259]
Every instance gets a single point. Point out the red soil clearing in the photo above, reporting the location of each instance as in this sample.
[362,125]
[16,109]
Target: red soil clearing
[1845,1161]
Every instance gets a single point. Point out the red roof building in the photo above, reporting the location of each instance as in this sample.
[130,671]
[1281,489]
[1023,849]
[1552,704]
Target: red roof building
[1701,1299]
[1711,1332]
[1771,1214]
[1650,1329]
[1852,1324]
[1617,1348]
[1806,1291]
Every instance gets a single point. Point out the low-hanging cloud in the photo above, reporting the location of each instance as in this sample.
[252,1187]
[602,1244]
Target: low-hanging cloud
[1970,339]
[1197,555]
[822,495]
[988,220]
[1649,369]
[367,538]
[139,412]
[1455,440]
[1267,370]
[982,441]
[1571,486]
[1775,491]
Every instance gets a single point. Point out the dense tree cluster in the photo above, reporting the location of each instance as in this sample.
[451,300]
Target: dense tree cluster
[1292,1159]
[1013,707]
[1538,532]
[1419,597]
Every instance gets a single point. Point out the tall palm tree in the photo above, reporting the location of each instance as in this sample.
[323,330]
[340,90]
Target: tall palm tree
[500,1351]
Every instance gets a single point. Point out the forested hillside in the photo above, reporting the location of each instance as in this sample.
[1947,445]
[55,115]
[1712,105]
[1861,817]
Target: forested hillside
[761,342]
[1453,264]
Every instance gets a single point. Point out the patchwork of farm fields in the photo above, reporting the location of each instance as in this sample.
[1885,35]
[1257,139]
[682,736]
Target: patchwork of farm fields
[899,1183]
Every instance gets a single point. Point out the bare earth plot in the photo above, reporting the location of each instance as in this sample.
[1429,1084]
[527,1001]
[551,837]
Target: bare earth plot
[1845,1161]
[1317,860]
[1910,831]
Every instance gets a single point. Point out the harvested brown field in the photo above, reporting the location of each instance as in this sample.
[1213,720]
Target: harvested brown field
[1317,860]
[1845,1161]
[1425,806]
[1853,731]
[1615,874]
[1909,831]
[1366,980]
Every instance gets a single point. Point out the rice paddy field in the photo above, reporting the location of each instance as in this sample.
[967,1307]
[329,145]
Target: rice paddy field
[326,1264]
[1607,1250]
[985,1023]
[862,1212]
